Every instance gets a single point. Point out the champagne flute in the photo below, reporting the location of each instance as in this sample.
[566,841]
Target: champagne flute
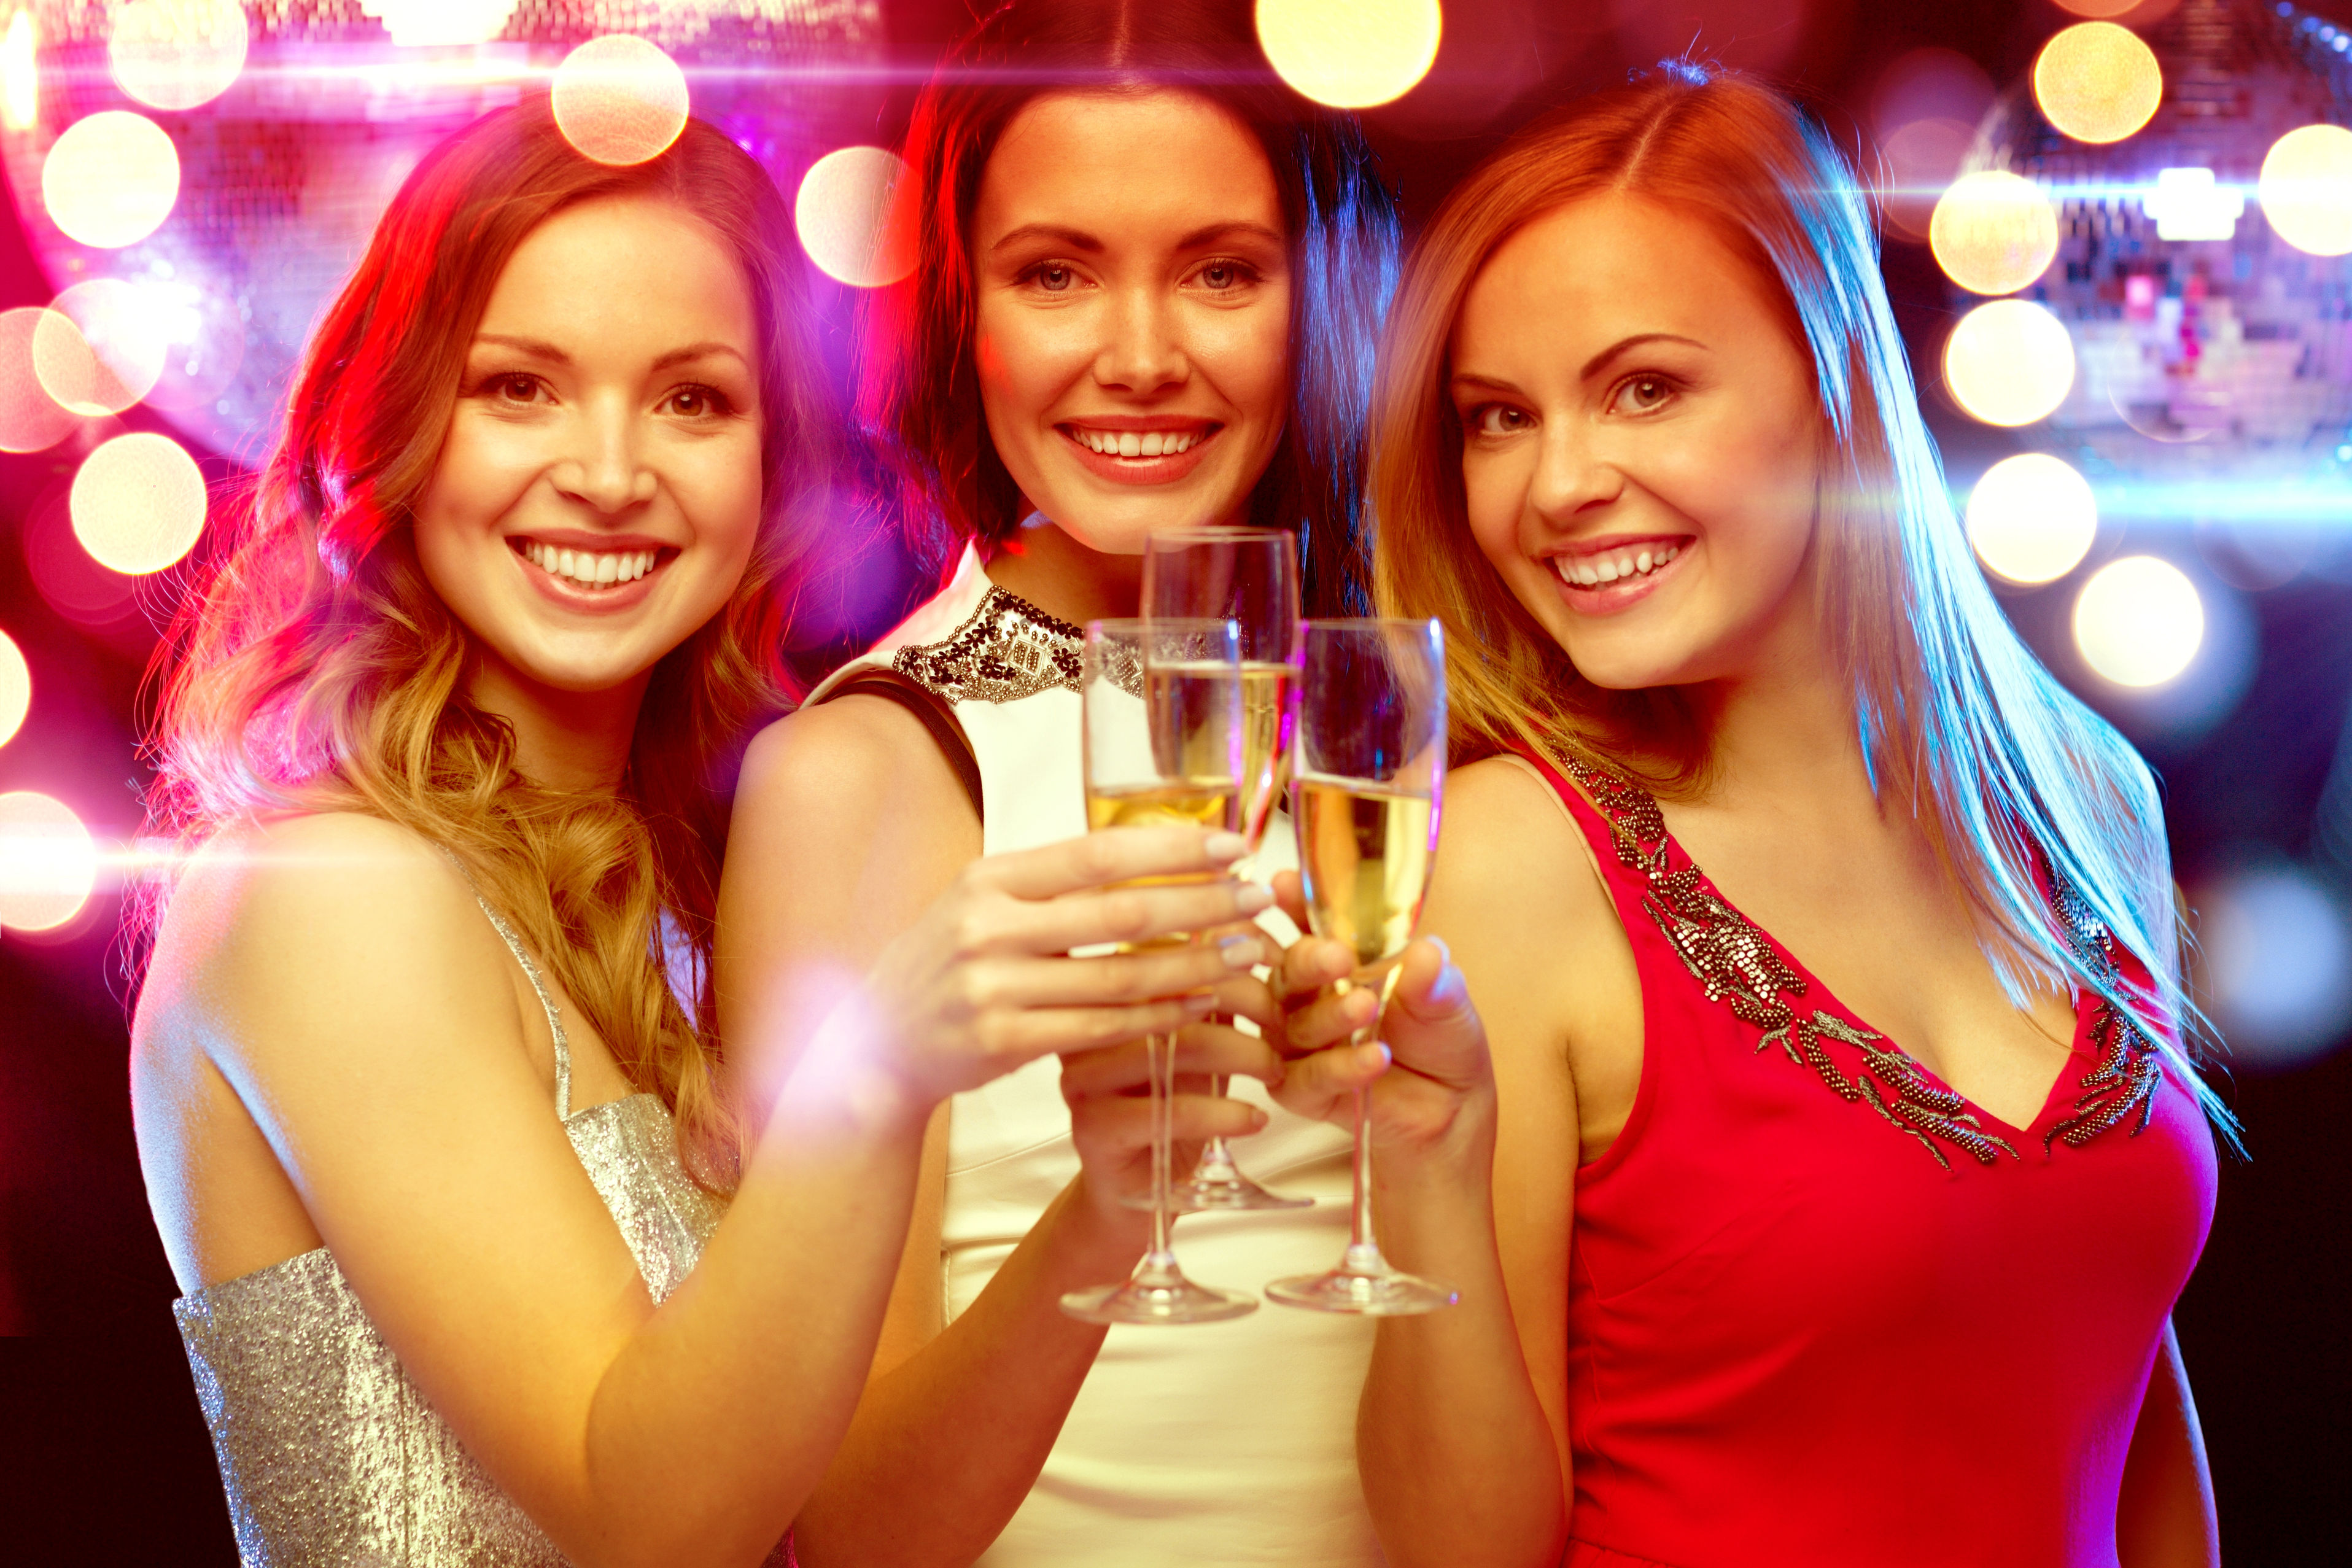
[1250,576]
[1163,722]
[1370,773]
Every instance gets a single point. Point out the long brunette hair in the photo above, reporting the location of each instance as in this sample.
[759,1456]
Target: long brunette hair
[314,669]
[919,394]
[1959,723]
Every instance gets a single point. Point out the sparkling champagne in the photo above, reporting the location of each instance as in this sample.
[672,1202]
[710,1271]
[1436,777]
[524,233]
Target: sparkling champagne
[1364,852]
[1265,745]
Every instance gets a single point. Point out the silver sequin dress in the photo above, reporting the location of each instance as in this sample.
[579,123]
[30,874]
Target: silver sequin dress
[329,1453]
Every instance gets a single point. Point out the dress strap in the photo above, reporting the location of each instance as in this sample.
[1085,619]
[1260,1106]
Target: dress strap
[539,988]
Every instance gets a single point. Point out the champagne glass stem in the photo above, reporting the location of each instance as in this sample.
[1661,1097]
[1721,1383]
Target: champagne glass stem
[1160,1050]
[1363,1252]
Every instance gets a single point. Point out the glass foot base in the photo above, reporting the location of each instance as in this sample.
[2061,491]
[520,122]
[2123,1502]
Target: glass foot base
[1159,1298]
[1388,1295]
[1230,1190]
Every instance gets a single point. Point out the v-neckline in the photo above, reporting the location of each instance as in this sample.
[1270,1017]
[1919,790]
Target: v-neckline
[1821,999]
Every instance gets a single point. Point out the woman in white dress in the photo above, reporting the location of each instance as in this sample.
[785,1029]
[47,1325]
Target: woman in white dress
[410,1080]
[1151,286]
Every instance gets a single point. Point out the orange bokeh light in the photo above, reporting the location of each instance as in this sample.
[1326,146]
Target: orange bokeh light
[16,687]
[99,346]
[2097,82]
[620,99]
[138,503]
[30,419]
[1350,54]
[2010,362]
[48,863]
[1993,232]
[112,179]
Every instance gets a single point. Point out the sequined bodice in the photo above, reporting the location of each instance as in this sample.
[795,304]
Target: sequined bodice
[328,1452]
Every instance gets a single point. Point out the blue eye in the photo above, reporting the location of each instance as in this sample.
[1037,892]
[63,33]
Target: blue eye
[1054,277]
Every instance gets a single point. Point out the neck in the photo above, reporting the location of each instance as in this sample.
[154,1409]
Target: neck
[1784,727]
[573,741]
[1066,579]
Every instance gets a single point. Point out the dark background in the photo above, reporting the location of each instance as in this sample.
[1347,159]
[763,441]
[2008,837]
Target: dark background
[100,1433]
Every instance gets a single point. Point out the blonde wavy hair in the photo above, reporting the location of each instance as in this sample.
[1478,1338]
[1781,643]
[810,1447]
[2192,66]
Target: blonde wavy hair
[2002,767]
[313,667]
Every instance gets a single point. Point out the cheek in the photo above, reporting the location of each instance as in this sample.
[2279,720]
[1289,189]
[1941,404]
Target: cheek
[1493,494]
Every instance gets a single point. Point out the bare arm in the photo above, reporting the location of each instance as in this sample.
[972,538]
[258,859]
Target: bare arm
[2165,1518]
[1463,1414]
[847,821]
[344,986]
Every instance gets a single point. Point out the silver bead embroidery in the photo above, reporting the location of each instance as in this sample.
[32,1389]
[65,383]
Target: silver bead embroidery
[1005,650]
[1736,965]
[2125,1078]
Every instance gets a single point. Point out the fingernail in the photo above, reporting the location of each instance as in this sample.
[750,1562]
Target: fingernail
[1380,1048]
[1252,898]
[1200,1004]
[1240,950]
[1258,1119]
[1443,951]
[1226,847]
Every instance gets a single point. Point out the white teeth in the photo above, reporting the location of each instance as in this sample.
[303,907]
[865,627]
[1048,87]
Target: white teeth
[1131,444]
[1594,571]
[592,568]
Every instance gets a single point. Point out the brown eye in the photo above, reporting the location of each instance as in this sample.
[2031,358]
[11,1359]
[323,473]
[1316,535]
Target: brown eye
[518,388]
[1497,419]
[1643,394]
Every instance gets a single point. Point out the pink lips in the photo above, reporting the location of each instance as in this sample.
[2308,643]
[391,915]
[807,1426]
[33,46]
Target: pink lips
[1142,470]
[579,597]
[1613,598]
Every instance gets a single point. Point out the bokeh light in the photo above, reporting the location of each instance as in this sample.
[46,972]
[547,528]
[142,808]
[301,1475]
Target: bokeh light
[845,215]
[1350,54]
[2097,82]
[1993,232]
[30,419]
[428,23]
[100,345]
[20,73]
[16,687]
[112,179]
[620,99]
[2138,621]
[2099,10]
[48,862]
[138,503]
[177,54]
[2008,362]
[2276,961]
[2307,189]
[2031,518]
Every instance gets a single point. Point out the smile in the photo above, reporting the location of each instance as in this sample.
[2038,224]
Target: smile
[1619,563]
[1137,443]
[589,568]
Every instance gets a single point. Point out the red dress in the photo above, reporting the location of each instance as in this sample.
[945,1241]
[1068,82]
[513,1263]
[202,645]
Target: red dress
[1823,1311]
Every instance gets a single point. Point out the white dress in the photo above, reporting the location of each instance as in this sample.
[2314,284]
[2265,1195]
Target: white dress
[1199,1445]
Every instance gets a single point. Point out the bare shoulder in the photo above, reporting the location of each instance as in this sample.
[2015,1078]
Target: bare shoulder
[267,914]
[841,754]
[1510,856]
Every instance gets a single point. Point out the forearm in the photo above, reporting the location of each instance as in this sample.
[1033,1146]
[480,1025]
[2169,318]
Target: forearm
[944,1447]
[1449,1429]
[715,1420]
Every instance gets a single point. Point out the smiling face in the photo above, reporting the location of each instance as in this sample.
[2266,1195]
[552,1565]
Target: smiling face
[1132,322]
[1640,442]
[597,495]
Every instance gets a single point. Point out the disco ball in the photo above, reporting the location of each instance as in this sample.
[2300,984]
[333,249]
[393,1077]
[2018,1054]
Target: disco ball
[2213,360]
[292,123]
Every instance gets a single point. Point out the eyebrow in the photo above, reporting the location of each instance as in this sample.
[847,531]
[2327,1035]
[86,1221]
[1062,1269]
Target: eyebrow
[1079,239]
[1621,345]
[537,348]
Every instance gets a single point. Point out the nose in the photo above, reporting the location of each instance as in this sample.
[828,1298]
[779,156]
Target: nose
[1571,476]
[1141,355]
[603,468]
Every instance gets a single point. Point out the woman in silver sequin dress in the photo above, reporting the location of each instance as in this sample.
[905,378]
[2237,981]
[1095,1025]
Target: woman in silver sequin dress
[442,1190]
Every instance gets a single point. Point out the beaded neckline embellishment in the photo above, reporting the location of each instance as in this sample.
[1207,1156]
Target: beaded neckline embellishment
[1005,650]
[1735,964]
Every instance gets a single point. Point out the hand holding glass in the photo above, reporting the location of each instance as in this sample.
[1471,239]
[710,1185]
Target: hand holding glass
[1370,768]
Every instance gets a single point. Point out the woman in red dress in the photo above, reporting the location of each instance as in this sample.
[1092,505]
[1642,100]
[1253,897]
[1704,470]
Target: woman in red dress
[1839,1164]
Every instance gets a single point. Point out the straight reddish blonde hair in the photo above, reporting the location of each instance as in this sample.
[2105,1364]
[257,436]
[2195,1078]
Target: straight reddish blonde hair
[2006,771]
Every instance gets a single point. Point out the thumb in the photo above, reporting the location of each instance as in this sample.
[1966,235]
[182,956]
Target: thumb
[1429,989]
